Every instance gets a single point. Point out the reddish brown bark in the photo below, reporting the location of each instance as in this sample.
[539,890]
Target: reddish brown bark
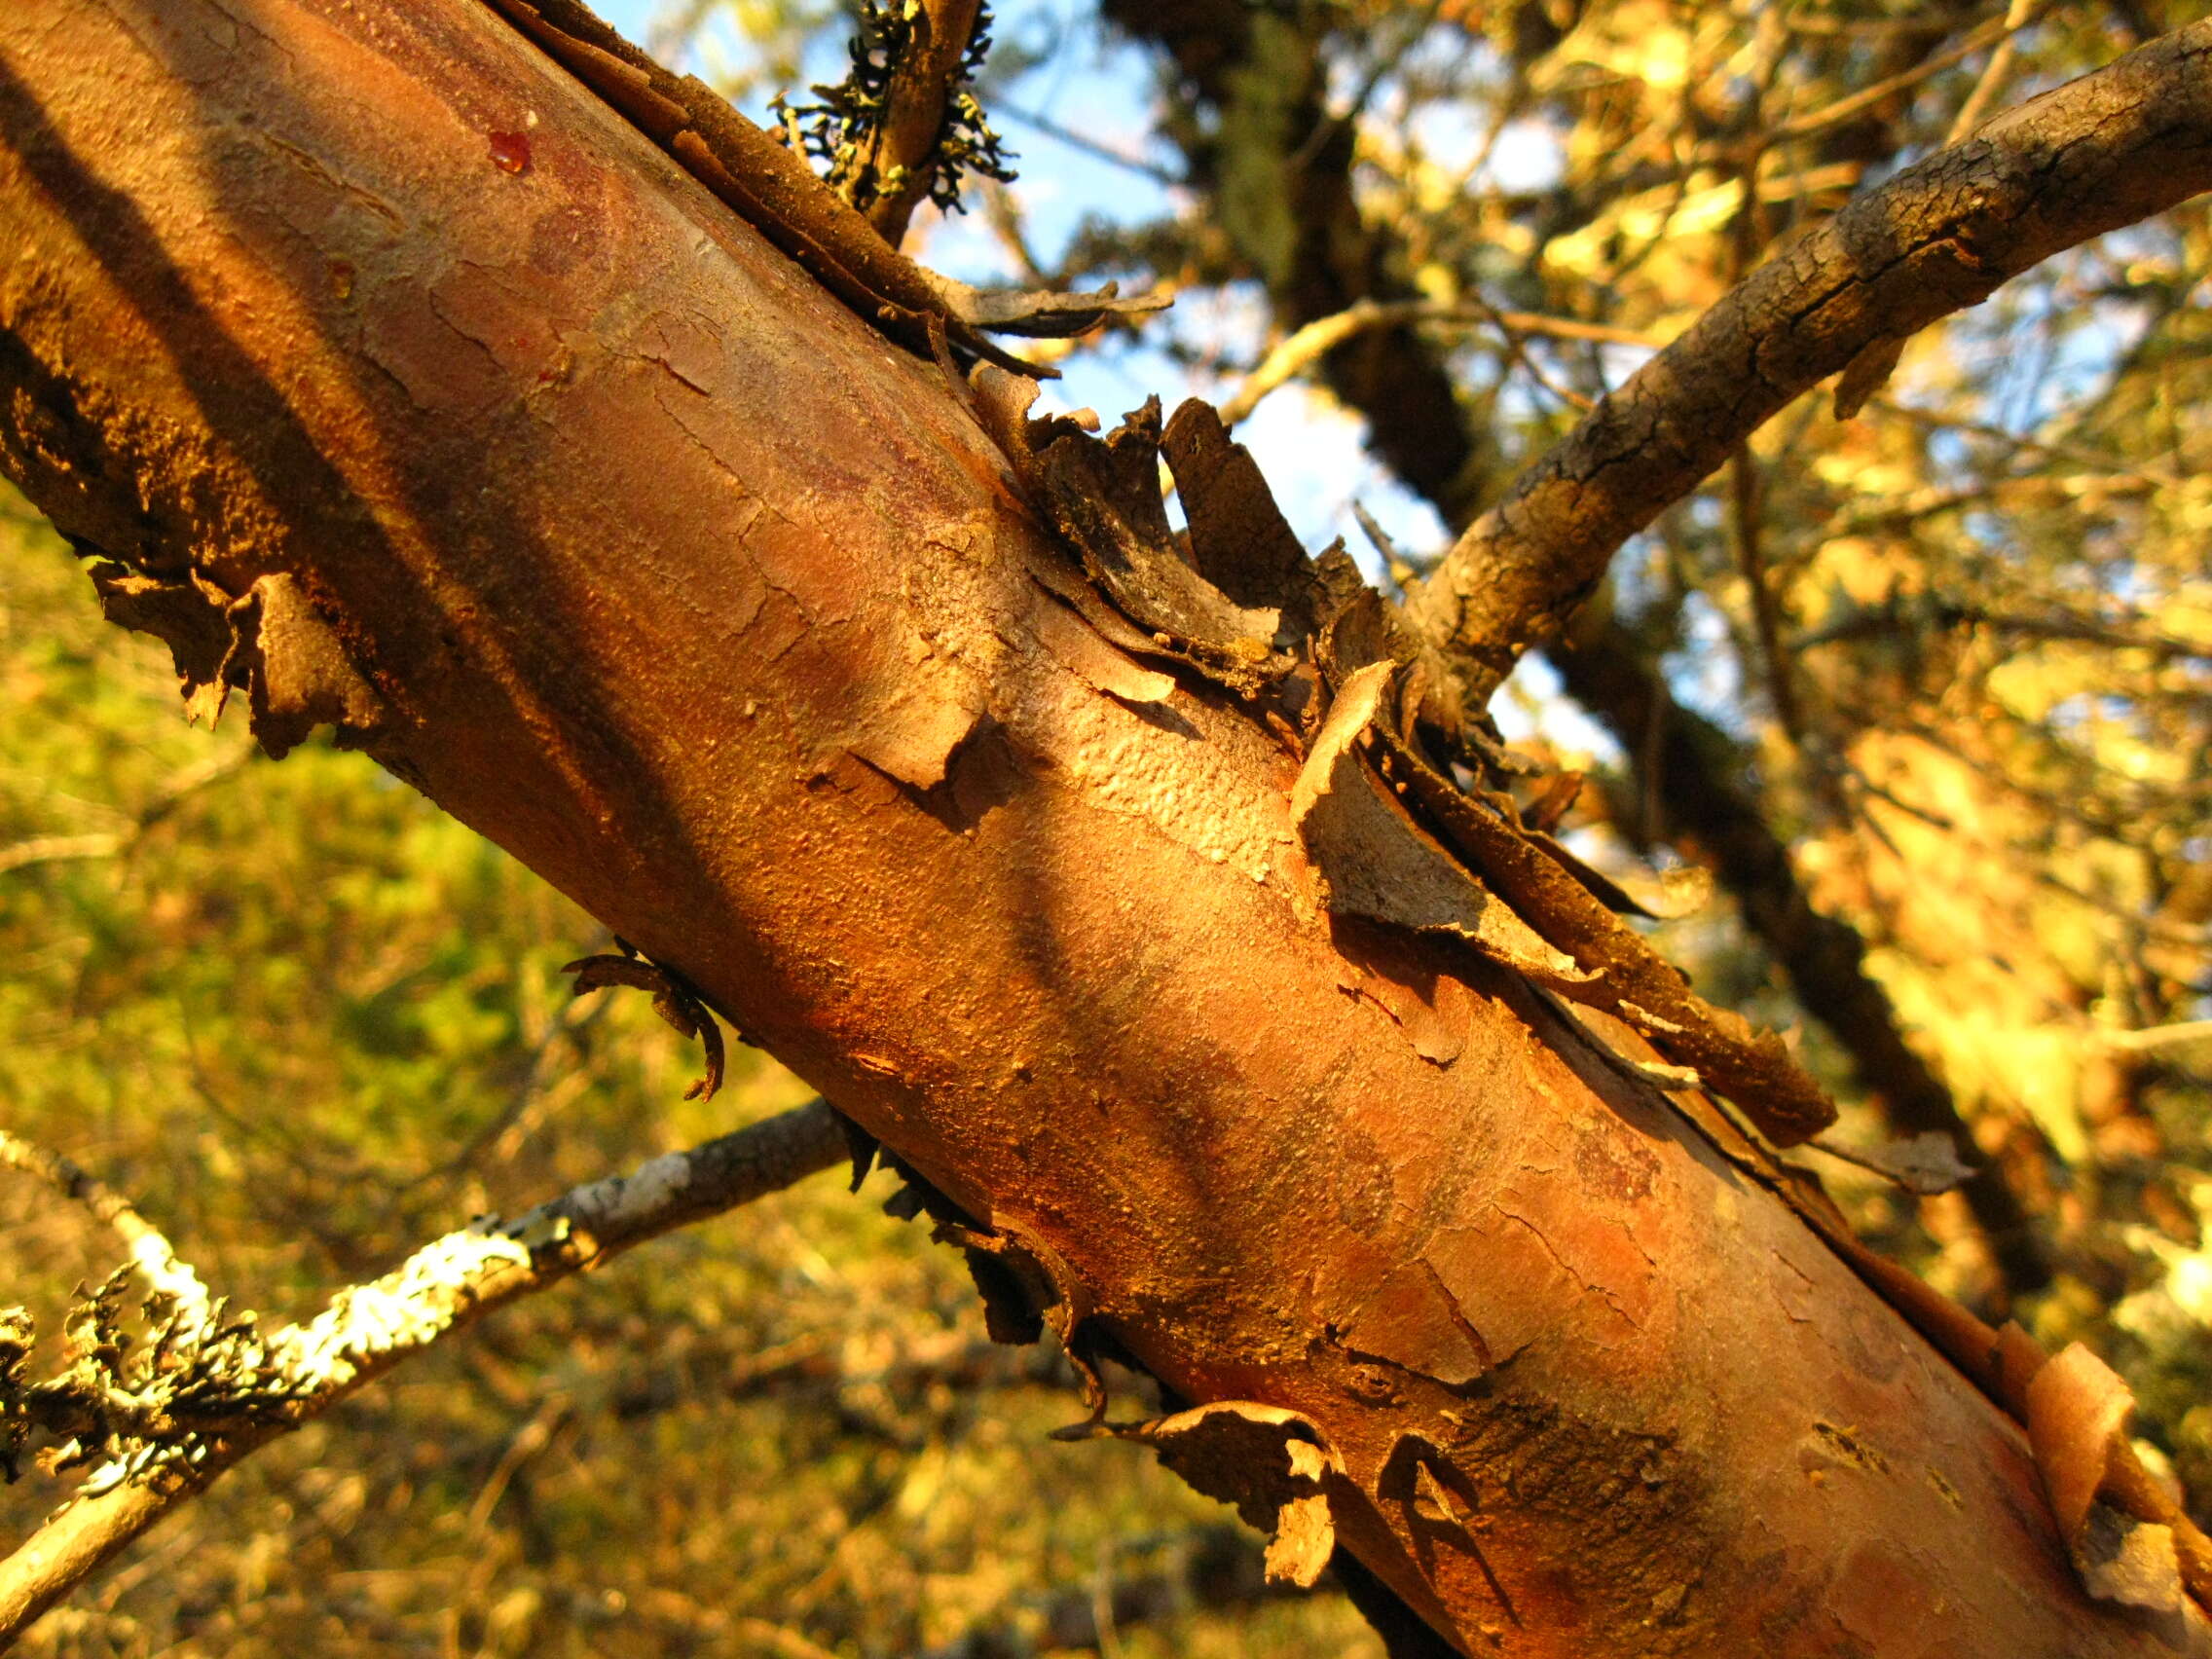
[631,548]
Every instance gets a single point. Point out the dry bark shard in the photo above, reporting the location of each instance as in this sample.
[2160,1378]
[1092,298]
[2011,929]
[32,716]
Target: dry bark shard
[1529,911]
[1273,1464]
[1372,861]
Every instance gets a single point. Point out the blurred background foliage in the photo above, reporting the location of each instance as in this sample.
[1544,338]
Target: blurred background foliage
[1929,690]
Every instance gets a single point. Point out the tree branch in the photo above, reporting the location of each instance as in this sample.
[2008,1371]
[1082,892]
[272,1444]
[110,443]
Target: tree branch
[1694,782]
[369,1329]
[902,157]
[151,1252]
[2101,152]
[1301,349]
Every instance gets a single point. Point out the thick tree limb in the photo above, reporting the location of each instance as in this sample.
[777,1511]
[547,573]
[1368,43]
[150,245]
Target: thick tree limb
[369,1329]
[2101,152]
[596,518]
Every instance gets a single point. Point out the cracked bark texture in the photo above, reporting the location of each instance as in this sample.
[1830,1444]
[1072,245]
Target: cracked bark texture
[677,580]
[2086,157]
[1602,665]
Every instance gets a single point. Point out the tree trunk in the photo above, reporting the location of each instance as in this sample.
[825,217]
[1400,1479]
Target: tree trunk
[593,517]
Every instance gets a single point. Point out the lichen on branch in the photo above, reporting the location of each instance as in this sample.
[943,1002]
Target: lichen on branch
[904,124]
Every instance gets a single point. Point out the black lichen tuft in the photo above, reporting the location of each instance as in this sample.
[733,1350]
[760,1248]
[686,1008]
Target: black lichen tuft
[843,128]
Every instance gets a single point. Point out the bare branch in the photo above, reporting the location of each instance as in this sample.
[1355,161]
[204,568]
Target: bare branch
[2017,17]
[150,1253]
[1307,346]
[300,1372]
[2101,152]
[57,849]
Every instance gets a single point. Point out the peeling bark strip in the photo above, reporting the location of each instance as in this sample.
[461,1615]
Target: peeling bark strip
[1556,931]
[2098,152]
[677,582]
[1441,449]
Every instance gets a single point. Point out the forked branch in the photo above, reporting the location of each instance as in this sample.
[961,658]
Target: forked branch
[2112,148]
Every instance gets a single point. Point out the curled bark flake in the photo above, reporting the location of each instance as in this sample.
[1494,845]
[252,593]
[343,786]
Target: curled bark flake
[2127,1561]
[1271,1463]
[1925,1163]
[1027,1286]
[862,1148]
[1374,860]
[1306,1536]
[1081,645]
[1360,631]
[297,674]
[1661,896]
[187,614]
[1040,313]
[1614,970]
[2075,1410]
[1638,1067]
[1104,495]
[2129,1538]
[1239,539]
[1433,1502]
[674,999]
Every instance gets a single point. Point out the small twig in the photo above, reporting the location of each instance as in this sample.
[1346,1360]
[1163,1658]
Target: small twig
[2159,1036]
[107,843]
[1843,109]
[369,1329]
[1302,349]
[1074,140]
[2017,17]
[151,1252]
[58,849]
